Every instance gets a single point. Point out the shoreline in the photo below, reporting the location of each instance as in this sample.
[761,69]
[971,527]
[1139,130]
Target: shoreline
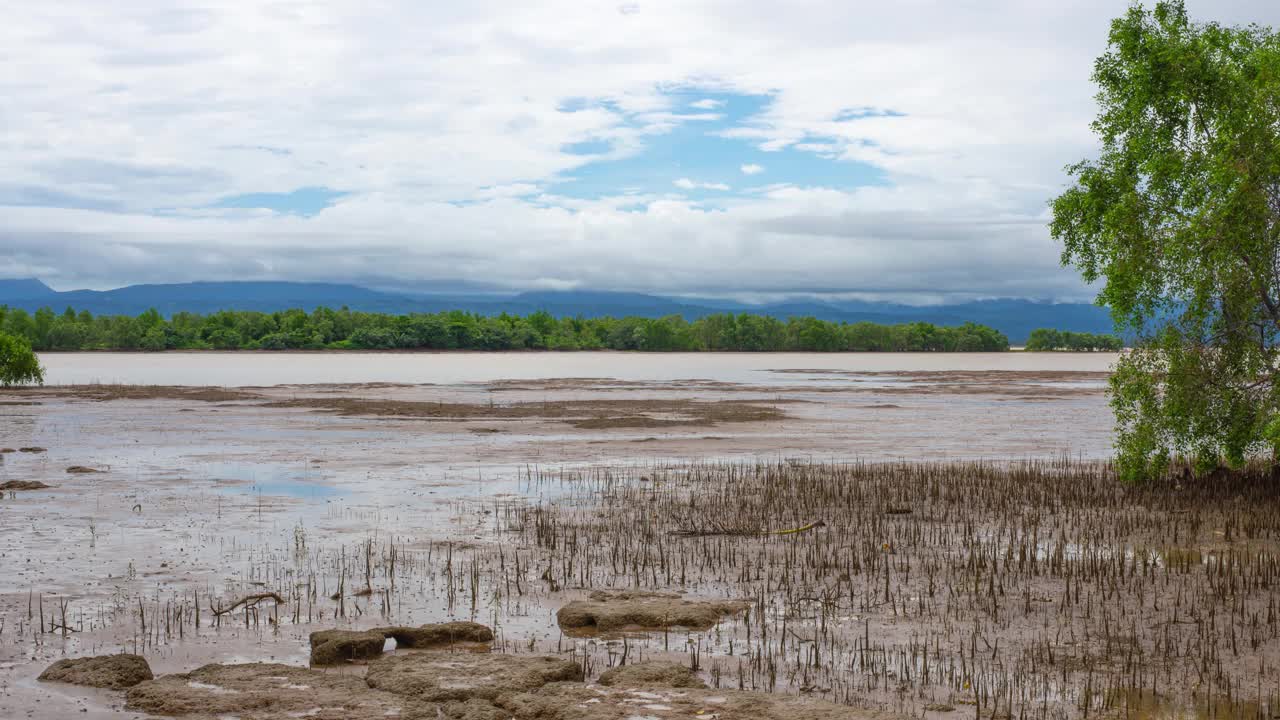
[550,351]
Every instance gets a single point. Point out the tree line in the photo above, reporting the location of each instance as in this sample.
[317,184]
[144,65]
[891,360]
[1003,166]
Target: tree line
[344,329]
[1046,339]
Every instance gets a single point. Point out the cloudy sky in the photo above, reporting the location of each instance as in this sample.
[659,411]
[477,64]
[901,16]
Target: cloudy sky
[901,150]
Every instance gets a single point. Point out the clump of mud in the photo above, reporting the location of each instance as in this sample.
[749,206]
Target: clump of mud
[82,470]
[23,485]
[458,677]
[267,691]
[330,647]
[582,414]
[651,675]
[421,685]
[104,393]
[567,701]
[620,611]
[115,672]
[438,634]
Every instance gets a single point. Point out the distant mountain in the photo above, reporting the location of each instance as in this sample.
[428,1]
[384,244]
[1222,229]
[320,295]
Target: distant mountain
[598,303]
[13,291]
[1015,318]
[207,297]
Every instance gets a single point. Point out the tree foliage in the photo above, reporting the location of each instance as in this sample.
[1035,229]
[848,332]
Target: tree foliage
[1047,339]
[18,364]
[1180,218]
[325,328]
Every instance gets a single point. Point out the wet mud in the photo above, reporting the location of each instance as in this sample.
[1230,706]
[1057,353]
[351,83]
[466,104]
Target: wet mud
[963,579]
[642,611]
[461,687]
[115,672]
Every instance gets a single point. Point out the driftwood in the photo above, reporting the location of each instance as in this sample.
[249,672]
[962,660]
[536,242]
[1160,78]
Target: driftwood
[247,601]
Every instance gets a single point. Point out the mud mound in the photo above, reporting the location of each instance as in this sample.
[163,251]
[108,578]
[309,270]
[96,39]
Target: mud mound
[606,611]
[435,685]
[82,470]
[330,647]
[567,701]
[102,393]
[437,635]
[446,677]
[473,709]
[582,414]
[651,675]
[266,691]
[23,485]
[116,672]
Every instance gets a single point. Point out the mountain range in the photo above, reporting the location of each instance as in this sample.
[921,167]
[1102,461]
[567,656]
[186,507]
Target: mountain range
[1016,318]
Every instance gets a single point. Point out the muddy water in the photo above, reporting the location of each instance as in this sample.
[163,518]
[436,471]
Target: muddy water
[244,368]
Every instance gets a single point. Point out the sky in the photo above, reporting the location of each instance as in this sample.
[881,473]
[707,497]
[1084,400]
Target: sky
[899,151]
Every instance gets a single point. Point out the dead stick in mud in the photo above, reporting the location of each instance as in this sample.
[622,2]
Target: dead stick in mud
[801,529]
[792,531]
[249,600]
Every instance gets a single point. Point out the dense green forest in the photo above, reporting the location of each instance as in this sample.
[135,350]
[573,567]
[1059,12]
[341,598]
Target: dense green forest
[1045,339]
[343,329]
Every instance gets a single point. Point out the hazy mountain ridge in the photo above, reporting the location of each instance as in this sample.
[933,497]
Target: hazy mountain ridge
[1014,317]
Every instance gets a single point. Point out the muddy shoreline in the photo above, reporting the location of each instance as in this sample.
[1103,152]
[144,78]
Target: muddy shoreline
[208,494]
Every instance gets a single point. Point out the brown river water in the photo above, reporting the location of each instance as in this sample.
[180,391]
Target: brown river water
[252,368]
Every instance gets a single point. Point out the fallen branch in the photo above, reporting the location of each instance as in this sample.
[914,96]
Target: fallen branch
[247,601]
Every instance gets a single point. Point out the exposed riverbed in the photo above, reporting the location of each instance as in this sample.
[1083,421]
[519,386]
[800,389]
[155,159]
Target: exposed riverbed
[219,474]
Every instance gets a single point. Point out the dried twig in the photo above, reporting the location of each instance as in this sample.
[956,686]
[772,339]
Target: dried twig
[248,601]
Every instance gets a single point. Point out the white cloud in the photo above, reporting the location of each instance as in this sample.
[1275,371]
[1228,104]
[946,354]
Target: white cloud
[444,123]
[751,169]
[885,241]
[707,104]
[687,184]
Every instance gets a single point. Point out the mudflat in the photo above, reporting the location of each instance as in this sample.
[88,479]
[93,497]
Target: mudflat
[971,550]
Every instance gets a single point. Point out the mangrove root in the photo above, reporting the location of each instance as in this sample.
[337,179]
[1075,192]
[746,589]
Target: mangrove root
[746,533]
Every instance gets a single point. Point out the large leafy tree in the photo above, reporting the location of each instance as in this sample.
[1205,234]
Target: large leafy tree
[18,364]
[1179,217]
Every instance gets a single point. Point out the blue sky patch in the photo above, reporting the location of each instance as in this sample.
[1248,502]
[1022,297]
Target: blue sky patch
[305,201]
[693,157]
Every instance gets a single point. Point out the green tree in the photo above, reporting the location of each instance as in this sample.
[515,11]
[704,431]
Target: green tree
[153,340]
[18,364]
[1047,339]
[1180,218]
[343,329]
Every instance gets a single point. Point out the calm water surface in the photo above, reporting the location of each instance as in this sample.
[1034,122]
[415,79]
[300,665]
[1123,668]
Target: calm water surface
[256,368]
